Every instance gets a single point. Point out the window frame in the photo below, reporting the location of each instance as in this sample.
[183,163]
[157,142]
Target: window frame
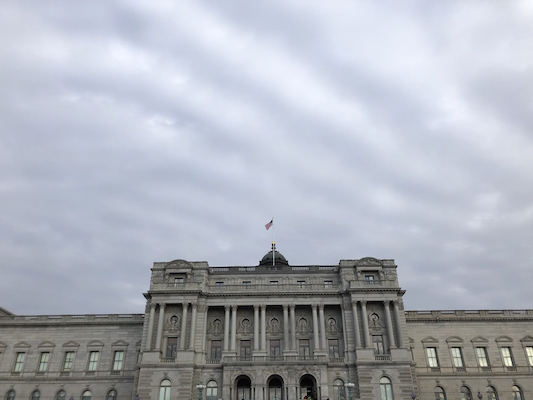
[507,359]
[305,345]
[164,389]
[65,360]
[86,395]
[435,357]
[216,350]
[44,361]
[20,358]
[485,357]
[11,394]
[517,389]
[439,390]
[529,355]
[386,391]
[211,390]
[334,347]
[245,348]
[172,347]
[456,353]
[120,361]
[35,395]
[92,365]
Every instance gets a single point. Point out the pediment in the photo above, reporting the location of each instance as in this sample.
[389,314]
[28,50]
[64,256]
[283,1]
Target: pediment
[527,338]
[179,264]
[46,343]
[368,261]
[504,339]
[95,343]
[120,343]
[71,343]
[479,339]
[454,339]
[430,339]
[22,345]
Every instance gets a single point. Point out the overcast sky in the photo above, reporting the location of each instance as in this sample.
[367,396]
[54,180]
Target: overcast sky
[142,131]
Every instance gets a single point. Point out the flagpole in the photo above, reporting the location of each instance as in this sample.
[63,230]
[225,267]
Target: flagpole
[273,245]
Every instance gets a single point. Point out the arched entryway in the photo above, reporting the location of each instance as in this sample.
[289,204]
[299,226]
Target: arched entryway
[308,387]
[243,387]
[275,388]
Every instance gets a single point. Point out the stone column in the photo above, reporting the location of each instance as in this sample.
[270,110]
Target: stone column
[151,324]
[356,325]
[233,326]
[293,327]
[398,323]
[364,315]
[183,333]
[193,326]
[263,327]
[256,327]
[389,324]
[226,328]
[315,327]
[322,326]
[160,326]
[285,327]
[204,309]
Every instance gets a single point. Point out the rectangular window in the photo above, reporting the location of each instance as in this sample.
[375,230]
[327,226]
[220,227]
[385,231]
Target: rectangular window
[246,348]
[369,279]
[304,347]
[301,283]
[219,283]
[93,360]
[457,357]
[43,361]
[482,357]
[179,279]
[68,361]
[333,346]
[246,283]
[19,362]
[216,349]
[377,342]
[328,284]
[529,353]
[275,348]
[507,357]
[118,360]
[172,346]
[273,282]
[431,353]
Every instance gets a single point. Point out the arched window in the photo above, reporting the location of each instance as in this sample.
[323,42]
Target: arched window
[86,395]
[338,390]
[36,395]
[491,393]
[112,395]
[164,390]
[440,394]
[385,388]
[211,391]
[10,395]
[517,393]
[61,395]
[466,394]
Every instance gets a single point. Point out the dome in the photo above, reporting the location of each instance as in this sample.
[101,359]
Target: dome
[273,257]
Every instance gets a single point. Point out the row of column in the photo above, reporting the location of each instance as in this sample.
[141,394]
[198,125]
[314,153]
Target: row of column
[160,325]
[395,342]
[230,325]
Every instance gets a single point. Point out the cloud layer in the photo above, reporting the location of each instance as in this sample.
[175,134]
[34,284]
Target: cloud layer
[144,131]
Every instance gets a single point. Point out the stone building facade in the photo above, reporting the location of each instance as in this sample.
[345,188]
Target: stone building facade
[270,332]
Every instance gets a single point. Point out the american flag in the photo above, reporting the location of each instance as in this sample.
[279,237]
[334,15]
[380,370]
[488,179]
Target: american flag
[267,226]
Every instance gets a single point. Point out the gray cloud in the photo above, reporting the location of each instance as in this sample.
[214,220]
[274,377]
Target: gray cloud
[135,132]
